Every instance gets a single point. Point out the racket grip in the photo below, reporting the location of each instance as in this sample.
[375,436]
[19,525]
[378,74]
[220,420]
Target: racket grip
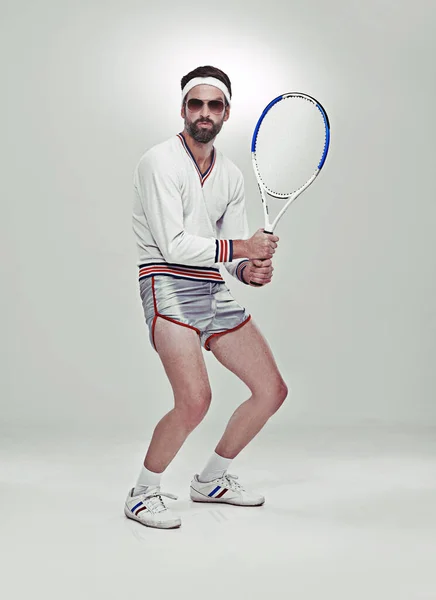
[253,282]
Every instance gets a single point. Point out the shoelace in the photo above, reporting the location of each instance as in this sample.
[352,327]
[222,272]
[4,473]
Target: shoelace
[154,501]
[230,481]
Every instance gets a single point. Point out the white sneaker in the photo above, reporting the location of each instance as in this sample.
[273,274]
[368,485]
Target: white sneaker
[225,490]
[150,510]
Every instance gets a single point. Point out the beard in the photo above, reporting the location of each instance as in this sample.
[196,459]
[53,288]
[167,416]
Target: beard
[203,136]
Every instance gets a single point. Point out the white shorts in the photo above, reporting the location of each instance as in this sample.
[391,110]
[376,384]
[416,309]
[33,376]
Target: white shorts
[207,307]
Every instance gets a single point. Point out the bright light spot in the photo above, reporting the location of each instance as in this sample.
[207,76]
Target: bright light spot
[143,72]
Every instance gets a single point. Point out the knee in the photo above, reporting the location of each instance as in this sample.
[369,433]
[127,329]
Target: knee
[277,394]
[194,407]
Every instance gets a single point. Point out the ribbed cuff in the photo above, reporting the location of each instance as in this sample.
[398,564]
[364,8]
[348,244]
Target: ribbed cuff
[224,251]
[240,270]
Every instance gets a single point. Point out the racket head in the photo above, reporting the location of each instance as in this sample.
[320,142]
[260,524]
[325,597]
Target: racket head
[290,144]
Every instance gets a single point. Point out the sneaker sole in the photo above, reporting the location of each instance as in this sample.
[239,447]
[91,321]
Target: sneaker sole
[207,500]
[174,524]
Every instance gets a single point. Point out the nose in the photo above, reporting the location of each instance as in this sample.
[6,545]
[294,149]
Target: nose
[205,112]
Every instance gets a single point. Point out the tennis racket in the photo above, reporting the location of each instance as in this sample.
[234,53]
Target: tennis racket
[288,150]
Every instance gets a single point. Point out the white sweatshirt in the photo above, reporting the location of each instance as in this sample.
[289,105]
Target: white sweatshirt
[185,221]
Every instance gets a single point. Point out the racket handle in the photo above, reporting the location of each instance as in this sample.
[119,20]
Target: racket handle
[253,282]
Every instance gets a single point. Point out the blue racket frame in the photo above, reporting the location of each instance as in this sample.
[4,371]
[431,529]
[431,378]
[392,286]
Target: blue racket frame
[269,227]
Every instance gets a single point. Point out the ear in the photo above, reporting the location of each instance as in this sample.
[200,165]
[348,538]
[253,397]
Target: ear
[226,113]
[182,112]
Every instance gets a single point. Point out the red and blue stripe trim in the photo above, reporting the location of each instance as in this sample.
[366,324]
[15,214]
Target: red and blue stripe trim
[224,251]
[179,272]
[218,492]
[138,508]
[240,270]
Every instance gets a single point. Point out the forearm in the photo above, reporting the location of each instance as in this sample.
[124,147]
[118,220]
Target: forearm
[240,249]
[191,249]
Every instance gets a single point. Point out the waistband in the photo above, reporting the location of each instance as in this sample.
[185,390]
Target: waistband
[179,272]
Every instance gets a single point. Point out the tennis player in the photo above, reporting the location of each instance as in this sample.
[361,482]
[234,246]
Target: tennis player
[189,219]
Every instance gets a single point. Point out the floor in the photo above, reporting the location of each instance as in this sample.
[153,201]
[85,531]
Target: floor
[350,514]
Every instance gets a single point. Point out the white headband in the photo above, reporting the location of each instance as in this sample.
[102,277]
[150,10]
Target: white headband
[206,81]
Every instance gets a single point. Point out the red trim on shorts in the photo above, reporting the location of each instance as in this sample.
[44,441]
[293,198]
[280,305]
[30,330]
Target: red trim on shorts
[206,344]
[157,314]
[153,325]
[154,296]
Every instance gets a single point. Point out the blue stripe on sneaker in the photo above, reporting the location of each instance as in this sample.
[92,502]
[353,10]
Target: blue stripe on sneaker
[137,506]
[214,491]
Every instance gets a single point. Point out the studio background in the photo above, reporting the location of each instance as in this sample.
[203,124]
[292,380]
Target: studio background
[87,88]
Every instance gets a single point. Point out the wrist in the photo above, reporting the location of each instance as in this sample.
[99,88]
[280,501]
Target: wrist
[241,269]
[240,249]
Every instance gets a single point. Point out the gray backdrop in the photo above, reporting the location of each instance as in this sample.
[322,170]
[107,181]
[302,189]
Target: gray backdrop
[88,86]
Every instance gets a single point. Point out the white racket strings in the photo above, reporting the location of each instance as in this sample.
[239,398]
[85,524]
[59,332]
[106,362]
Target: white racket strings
[289,145]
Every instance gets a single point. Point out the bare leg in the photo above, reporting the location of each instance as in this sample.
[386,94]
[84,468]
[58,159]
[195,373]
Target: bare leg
[246,353]
[181,355]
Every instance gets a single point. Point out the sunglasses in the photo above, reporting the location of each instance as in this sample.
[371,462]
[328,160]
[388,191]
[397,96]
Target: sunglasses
[216,106]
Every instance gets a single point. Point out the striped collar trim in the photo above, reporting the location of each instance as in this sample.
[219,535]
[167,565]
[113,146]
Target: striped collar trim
[202,176]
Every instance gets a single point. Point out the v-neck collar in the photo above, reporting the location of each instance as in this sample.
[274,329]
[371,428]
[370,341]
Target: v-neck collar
[202,176]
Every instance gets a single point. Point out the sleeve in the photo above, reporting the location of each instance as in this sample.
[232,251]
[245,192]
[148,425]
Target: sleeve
[234,223]
[161,202]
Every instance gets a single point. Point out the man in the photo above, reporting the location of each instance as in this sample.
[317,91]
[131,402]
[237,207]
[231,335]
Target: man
[189,218]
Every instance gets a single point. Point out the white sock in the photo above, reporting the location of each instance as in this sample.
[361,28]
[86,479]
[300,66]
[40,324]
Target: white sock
[215,468]
[146,479]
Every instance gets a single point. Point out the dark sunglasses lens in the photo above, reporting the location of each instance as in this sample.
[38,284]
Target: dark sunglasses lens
[194,104]
[216,106]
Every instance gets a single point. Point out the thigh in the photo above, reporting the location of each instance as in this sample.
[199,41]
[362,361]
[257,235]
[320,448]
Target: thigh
[247,354]
[182,358]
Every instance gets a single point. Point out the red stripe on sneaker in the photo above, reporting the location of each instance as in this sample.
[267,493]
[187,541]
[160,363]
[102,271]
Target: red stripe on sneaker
[222,493]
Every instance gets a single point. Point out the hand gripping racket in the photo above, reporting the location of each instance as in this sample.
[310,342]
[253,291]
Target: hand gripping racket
[288,150]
